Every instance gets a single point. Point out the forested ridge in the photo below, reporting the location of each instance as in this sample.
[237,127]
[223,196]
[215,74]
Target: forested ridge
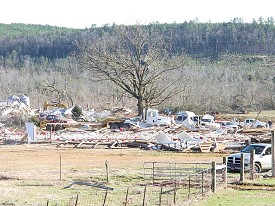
[230,66]
[193,38]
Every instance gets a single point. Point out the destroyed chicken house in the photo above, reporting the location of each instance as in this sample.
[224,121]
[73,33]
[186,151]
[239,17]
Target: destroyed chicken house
[59,124]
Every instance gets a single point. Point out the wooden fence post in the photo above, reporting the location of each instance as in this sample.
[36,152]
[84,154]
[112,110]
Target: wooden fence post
[242,168]
[51,130]
[76,200]
[214,177]
[273,152]
[160,195]
[153,172]
[202,185]
[175,192]
[144,195]
[107,171]
[225,171]
[189,186]
[252,164]
[60,167]
[105,198]
[126,198]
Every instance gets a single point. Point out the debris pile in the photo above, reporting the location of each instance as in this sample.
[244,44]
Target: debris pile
[14,114]
[184,133]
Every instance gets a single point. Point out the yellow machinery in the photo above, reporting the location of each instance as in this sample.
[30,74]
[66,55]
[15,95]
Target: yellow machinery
[54,104]
[46,104]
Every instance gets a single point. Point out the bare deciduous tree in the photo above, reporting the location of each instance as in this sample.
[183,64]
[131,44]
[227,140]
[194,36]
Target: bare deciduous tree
[137,60]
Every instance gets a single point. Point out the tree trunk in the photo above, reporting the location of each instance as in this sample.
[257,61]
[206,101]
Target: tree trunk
[140,107]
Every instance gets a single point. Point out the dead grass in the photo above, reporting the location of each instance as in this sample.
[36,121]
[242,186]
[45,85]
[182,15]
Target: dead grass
[31,173]
[264,115]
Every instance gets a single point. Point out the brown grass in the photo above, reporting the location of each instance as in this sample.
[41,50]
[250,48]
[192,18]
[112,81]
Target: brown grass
[31,173]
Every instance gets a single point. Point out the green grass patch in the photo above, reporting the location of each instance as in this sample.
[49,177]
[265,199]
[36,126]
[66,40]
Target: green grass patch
[264,115]
[231,197]
[265,181]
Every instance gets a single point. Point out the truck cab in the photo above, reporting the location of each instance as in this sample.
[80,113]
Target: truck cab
[208,122]
[188,119]
[253,123]
[153,118]
[262,158]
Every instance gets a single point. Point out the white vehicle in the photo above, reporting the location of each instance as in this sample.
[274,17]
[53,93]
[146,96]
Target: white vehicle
[228,125]
[153,118]
[208,121]
[262,158]
[188,119]
[253,123]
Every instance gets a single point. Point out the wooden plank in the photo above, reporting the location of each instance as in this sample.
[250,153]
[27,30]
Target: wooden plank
[205,147]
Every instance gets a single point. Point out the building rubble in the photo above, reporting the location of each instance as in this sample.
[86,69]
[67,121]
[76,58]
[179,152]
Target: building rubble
[16,128]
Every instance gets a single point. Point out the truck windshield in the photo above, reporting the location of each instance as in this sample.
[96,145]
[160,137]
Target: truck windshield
[258,149]
[206,120]
[181,118]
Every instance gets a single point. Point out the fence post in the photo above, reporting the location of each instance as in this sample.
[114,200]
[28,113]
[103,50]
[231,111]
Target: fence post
[60,168]
[51,130]
[273,152]
[242,168]
[76,200]
[252,164]
[214,178]
[144,194]
[105,197]
[175,192]
[160,195]
[202,185]
[225,171]
[153,172]
[107,171]
[189,186]
[126,198]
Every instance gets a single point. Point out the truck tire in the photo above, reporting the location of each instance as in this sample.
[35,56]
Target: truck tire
[114,126]
[50,127]
[59,127]
[126,127]
[258,168]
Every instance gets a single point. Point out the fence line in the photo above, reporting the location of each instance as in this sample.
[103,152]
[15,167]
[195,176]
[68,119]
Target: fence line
[167,183]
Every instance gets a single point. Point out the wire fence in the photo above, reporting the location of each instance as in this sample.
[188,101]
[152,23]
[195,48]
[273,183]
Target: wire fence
[164,183]
[139,196]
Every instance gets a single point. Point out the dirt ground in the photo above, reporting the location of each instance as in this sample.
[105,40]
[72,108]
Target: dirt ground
[30,173]
[28,156]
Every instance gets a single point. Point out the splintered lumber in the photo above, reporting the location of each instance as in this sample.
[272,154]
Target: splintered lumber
[219,147]
[25,137]
[256,131]
[205,146]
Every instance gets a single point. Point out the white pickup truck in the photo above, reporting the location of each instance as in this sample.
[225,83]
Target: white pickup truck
[262,158]
[252,123]
[208,121]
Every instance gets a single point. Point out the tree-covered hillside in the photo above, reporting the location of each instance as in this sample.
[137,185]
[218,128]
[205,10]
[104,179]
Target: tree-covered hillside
[36,41]
[193,38]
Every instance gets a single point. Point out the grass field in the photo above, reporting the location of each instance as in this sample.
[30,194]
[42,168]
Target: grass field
[35,174]
[232,197]
[264,115]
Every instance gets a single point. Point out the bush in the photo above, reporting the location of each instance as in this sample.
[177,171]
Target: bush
[77,111]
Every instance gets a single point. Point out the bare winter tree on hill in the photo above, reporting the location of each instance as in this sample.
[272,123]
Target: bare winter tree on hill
[137,60]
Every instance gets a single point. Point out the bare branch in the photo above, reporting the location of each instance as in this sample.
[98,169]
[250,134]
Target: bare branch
[134,59]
